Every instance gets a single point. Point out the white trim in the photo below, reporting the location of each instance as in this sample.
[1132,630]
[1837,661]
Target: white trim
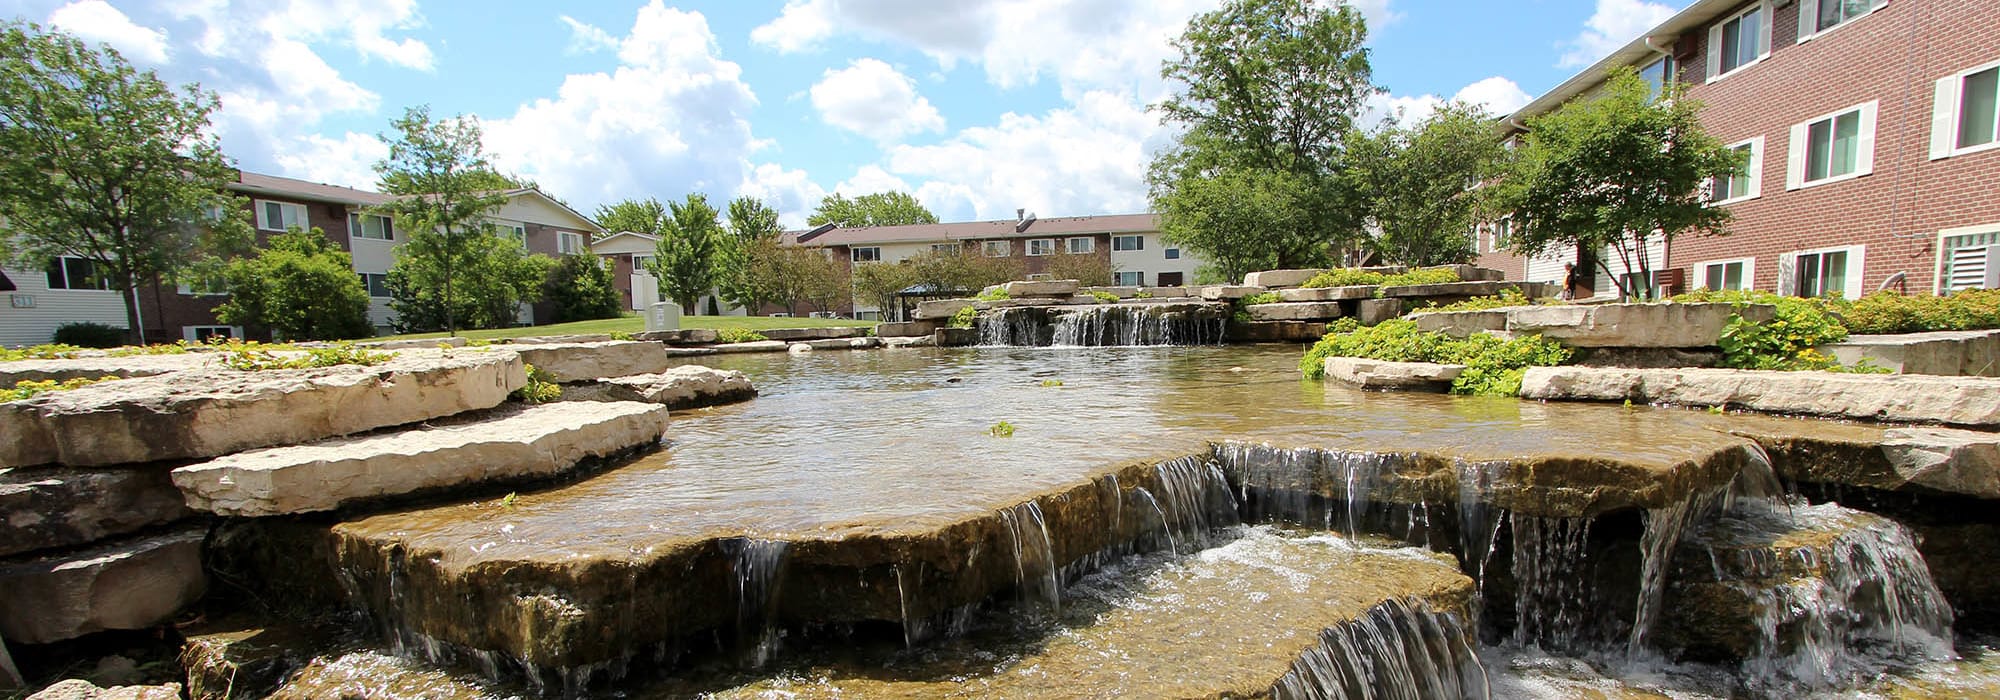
[854,254]
[1864,149]
[563,241]
[1715,41]
[1006,249]
[357,223]
[1140,247]
[192,333]
[1937,272]
[1089,245]
[1855,256]
[1753,176]
[1948,108]
[1749,270]
[1809,17]
[1031,247]
[1138,279]
[264,224]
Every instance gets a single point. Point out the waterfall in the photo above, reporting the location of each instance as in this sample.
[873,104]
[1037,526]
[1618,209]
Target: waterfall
[1035,570]
[1310,486]
[1198,499]
[1013,326]
[759,565]
[1554,597]
[1397,650]
[1191,323]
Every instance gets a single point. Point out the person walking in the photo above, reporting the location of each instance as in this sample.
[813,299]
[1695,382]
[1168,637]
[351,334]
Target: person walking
[1569,282]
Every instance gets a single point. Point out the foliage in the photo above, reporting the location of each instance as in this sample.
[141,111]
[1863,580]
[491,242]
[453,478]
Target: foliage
[253,357]
[959,271]
[1001,429]
[965,318]
[47,351]
[1787,342]
[1143,294]
[447,270]
[877,284]
[1088,269]
[689,250]
[89,335]
[1051,383]
[110,164]
[993,293]
[30,388]
[1493,367]
[822,280]
[1104,297]
[1888,312]
[1612,171]
[541,388]
[753,230]
[878,209]
[301,286]
[1506,298]
[647,216]
[1266,92]
[580,287]
[1350,277]
[1259,298]
[1419,183]
[739,335]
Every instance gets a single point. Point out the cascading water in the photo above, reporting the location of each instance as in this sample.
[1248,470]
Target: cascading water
[1398,650]
[1036,573]
[1013,326]
[1197,500]
[1190,323]
[1553,595]
[1307,486]
[759,568]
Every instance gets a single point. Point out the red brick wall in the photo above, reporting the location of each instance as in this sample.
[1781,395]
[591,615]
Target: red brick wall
[165,310]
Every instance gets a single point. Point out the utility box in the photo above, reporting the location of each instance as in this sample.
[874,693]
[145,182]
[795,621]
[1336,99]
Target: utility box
[663,316]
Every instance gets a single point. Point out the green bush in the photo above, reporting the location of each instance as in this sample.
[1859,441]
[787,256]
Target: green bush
[1258,298]
[994,294]
[301,286]
[1788,341]
[1506,298]
[964,318]
[1350,277]
[1493,366]
[255,357]
[541,387]
[581,288]
[89,335]
[1888,312]
[1104,297]
[739,335]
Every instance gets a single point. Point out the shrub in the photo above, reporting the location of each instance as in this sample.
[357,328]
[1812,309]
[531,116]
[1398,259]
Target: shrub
[1493,367]
[739,335]
[255,357]
[1888,312]
[1258,298]
[964,318]
[993,294]
[1506,298]
[302,287]
[541,387]
[1350,277]
[89,335]
[581,288]
[1787,342]
[1104,297]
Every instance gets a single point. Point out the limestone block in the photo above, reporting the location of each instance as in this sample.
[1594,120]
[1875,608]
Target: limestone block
[907,329]
[861,343]
[1301,311]
[1365,291]
[421,344]
[1459,324]
[752,346]
[1377,374]
[1947,353]
[1042,288]
[561,339]
[1223,292]
[793,334]
[1447,289]
[1166,292]
[207,413]
[1471,273]
[1279,278]
[1275,332]
[941,309]
[126,585]
[955,337]
[514,443]
[679,336]
[54,508]
[1120,292]
[18,371]
[1373,311]
[1666,325]
[921,341]
[1962,462]
[689,352]
[683,387]
[1910,398]
[79,689]
[576,362]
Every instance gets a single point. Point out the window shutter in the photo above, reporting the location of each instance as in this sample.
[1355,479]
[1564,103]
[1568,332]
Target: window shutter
[1854,258]
[1808,16]
[1864,156]
[1944,116]
[1990,276]
[1788,274]
[1715,51]
[1756,187]
[1766,18]
[1795,161]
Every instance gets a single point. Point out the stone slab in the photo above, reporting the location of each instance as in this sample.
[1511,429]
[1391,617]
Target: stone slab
[208,413]
[1963,462]
[752,346]
[576,362]
[418,344]
[569,339]
[1667,325]
[79,689]
[1125,292]
[792,334]
[1165,292]
[1300,311]
[18,371]
[906,329]
[1459,324]
[57,508]
[1377,374]
[680,336]
[125,585]
[1903,398]
[942,309]
[1374,311]
[1041,288]
[1364,291]
[1471,273]
[1224,292]
[1946,353]
[513,444]
[1275,332]
[922,341]
[861,343]
[683,387]
[1279,278]
[1447,289]
[955,337]
[689,352]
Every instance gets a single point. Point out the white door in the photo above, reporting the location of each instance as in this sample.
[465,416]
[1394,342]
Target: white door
[645,289]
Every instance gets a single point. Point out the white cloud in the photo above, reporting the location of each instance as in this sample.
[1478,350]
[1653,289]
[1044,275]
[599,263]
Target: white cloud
[1498,95]
[348,159]
[791,192]
[1614,24]
[96,20]
[587,38]
[874,99]
[870,179]
[799,27]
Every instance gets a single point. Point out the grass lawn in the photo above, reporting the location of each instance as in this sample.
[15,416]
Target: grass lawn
[635,324]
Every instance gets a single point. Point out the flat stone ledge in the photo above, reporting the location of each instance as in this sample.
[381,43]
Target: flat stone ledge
[1279,278]
[209,413]
[1963,462]
[922,341]
[683,387]
[570,339]
[1459,324]
[120,586]
[689,352]
[1299,311]
[1224,292]
[1043,288]
[941,309]
[1377,374]
[861,343]
[752,346]
[1448,289]
[421,344]
[1165,292]
[906,329]
[955,337]
[516,443]
[682,336]
[576,362]
[1946,353]
[790,334]
[1363,291]
[1275,332]
[1122,292]
[1668,325]
[1908,398]
[18,371]
[1374,311]
[58,508]
[1471,273]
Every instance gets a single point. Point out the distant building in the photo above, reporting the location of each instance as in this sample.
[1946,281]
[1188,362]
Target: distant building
[1872,134]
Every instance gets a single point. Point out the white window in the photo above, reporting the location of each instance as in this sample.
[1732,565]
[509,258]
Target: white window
[997,249]
[1041,246]
[1965,115]
[871,254]
[1173,253]
[1969,258]
[1819,273]
[1657,73]
[75,273]
[377,284]
[1079,246]
[1727,274]
[1738,42]
[281,216]
[1127,243]
[511,230]
[1831,148]
[1128,279]
[1818,16]
[371,226]
[1503,233]
[944,248]
[1743,185]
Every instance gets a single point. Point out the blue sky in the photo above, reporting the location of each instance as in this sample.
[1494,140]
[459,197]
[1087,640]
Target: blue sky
[978,107]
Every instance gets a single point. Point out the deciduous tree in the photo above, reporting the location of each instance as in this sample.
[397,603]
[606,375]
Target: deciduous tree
[301,286]
[878,209]
[647,216]
[753,227]
[581,288]
[688,253]
[442,183]
[1422,184]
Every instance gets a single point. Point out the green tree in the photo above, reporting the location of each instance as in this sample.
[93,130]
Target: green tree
[879,209]
[647,216]
[1612,171]
[493,278]
[440,177]
[109,164]
[301,286]
[1267,91]
[689,251]
[753,227]
[581,288]
[818,278]
[1421,183]
[962,271]
[878,283]
[1088,268]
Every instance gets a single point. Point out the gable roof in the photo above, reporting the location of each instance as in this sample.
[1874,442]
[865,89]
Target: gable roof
[980,230]
[595,229]
[634,234]
[271,185]
[1663,36]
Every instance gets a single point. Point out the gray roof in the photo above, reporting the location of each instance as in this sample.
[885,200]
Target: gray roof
[288,188]
[981,230]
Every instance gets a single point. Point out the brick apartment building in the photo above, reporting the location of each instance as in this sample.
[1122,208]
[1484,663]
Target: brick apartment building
[1871,131]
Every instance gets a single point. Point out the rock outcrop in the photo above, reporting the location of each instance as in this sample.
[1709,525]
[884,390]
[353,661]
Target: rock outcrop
[1279,278]
[576,362]
[124,585]
[1668,325]
[1947,353]
[1044,288]
[684,387]
[1908,398]
[18,371]
[58,508]
[1378,374]
[1295,311]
